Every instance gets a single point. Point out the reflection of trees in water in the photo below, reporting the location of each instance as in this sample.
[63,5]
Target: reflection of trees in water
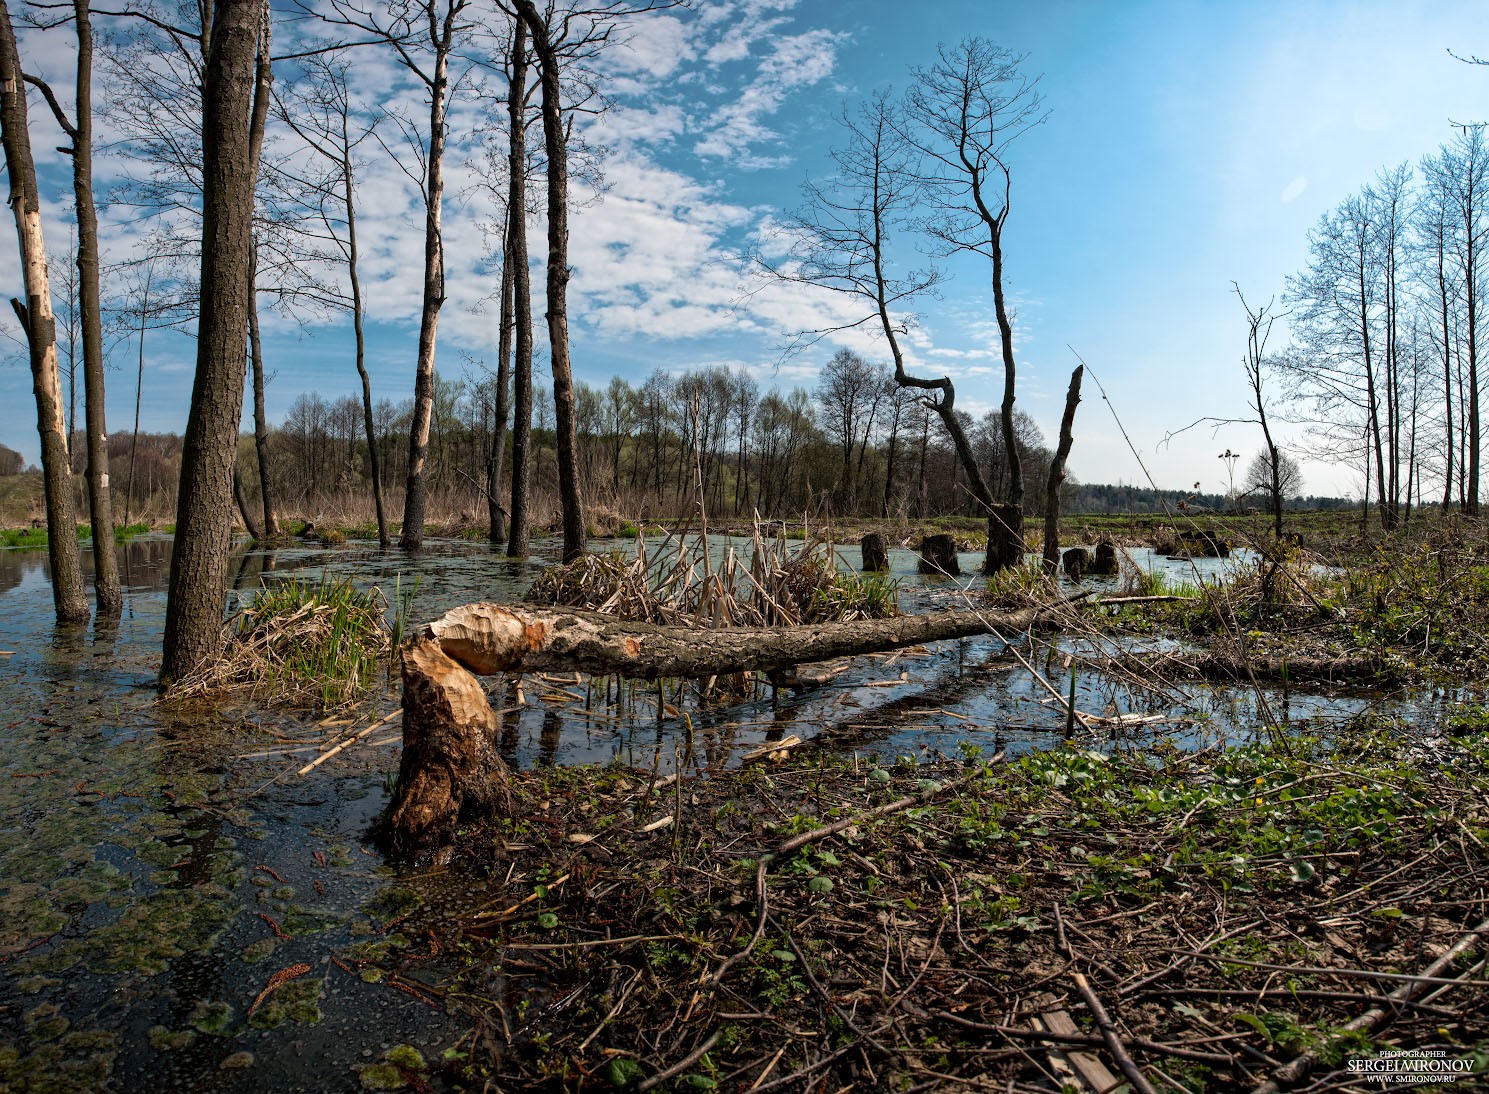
[15,565]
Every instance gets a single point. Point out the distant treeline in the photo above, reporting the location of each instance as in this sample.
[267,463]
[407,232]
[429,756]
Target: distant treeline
[856,445]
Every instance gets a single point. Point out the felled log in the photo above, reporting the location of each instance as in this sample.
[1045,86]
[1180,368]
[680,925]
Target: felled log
[451,771]
[491,638]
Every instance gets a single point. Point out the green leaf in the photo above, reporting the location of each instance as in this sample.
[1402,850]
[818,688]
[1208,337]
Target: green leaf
[623,1071]
[548,921]
[1302,870]
[820,884]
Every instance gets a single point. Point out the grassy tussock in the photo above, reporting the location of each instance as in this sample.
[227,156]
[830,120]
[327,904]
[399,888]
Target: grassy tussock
[319,646]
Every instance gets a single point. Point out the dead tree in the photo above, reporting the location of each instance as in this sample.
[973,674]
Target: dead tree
[1057,474]
[967,109]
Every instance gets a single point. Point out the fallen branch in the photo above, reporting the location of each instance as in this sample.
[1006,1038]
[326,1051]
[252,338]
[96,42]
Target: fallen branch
[798,842]
[1375,1017]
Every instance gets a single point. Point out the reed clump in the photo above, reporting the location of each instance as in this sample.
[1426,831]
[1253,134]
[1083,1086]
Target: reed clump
[780,583]
[303,644]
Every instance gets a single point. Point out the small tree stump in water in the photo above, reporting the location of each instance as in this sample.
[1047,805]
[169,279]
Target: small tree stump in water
[938,555]
[875,553]
[1105,561]
[1005,528]
[1076,562]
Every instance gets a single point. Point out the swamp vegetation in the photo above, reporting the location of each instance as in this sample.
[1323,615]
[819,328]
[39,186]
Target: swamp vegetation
[1226,837]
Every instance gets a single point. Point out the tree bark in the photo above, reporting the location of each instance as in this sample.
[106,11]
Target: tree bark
[69,594]
[270,525]
[240,498]
[194,604]
[415,493]
[106,589]
[450,769]
[555,140]
[522,299]
[1057,473]
[496,515]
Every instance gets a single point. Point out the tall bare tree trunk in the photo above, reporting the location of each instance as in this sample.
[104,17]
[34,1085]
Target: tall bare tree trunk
[1057,473]
[194,604]
[522,299]
[270,525]
[496,515]
[69,594]
[555,140]
[374,461]
[139,386]
[434,297]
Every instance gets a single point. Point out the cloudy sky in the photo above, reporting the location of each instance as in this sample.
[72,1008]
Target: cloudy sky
[1189,145]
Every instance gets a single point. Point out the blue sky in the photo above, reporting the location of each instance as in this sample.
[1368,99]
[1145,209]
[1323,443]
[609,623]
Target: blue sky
[1188,145]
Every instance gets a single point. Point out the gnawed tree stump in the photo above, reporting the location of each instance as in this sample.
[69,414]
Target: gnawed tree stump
[938,555]
[450,768]
[875,553]
[451,772]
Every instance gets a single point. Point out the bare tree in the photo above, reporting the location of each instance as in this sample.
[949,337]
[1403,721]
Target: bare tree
[514,260]
[969,107]
[1461,173]
[556,38]
[193,623]
[69,594]
[89,312]
[423,35]
[322,116]
[841,239]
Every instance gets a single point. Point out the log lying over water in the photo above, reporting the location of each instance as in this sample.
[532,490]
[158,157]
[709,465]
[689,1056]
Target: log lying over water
[451,771]
[492,638]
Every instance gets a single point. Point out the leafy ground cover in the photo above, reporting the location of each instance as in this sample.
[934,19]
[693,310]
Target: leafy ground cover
[1214,917]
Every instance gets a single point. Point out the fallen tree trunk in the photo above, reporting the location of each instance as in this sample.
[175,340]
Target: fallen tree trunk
[450,770]
[492,638]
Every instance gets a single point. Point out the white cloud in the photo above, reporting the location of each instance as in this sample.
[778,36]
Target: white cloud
[1294,190]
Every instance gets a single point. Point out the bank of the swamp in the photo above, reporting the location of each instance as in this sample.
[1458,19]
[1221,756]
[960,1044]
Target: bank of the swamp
[830,923]
[1415,613]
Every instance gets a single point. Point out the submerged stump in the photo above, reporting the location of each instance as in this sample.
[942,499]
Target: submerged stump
[938,555]
[1076,562]
[875,553]
[1105,560]
[1005,529]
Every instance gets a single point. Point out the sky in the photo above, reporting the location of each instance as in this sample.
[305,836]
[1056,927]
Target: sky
[1188,145]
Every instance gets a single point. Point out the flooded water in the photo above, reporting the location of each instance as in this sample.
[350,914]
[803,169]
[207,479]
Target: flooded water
[158,870]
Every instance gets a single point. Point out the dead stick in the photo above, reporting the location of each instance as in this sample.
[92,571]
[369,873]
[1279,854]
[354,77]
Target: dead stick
[1109,1034]
[315,763]
[1177,1051]
[797,842]
[1375,1017]
[682,1065]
